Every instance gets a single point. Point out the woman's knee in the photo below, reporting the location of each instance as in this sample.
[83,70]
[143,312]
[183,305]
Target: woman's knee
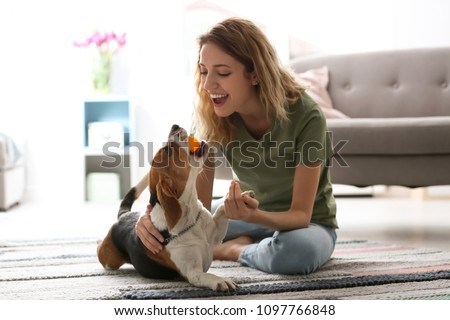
[294,254]
[290,258]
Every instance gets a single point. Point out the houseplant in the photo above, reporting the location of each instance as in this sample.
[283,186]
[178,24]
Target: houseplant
[106,44]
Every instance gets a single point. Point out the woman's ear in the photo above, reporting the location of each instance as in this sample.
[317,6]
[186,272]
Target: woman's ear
[169,202]
[254,79]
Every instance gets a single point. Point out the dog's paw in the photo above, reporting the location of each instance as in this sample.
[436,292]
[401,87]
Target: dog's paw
[224,284]
[250,193]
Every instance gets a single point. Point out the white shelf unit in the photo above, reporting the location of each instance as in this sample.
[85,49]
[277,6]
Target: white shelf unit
[109,158]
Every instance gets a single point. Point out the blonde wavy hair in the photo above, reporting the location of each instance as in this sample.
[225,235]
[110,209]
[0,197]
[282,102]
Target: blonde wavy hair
[277,87]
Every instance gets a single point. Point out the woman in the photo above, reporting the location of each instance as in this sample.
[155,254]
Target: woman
[275,138]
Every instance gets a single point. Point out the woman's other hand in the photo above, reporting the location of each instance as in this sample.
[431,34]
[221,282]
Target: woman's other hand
[238,206]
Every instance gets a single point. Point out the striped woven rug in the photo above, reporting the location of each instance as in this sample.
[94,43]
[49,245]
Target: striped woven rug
[68,269]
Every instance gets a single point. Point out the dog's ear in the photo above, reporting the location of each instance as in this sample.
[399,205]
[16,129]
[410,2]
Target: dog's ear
[169,202]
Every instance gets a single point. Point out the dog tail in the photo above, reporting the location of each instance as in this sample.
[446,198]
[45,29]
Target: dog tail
[132,195]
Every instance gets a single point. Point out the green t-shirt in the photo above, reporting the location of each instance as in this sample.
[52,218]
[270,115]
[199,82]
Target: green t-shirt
[267,166]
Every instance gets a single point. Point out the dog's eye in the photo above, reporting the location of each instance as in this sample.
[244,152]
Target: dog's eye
[167,150]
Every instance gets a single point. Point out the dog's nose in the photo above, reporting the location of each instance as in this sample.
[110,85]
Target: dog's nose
[175,127]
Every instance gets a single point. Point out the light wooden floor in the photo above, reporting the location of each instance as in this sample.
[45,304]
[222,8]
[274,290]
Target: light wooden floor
[397,215]
[391,215]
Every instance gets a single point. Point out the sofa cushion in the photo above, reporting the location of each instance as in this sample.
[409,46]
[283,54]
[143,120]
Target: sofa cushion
[317,82]
[391,136]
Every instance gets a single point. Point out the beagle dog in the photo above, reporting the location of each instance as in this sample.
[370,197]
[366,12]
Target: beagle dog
[189,229]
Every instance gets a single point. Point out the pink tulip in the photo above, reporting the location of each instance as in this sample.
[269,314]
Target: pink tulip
[122,40]
[102,41]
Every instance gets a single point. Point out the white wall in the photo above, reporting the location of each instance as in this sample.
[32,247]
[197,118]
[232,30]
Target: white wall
[44,79]
[38,94]
[351,25]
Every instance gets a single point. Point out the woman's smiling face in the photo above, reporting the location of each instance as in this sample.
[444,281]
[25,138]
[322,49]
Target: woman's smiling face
[228,84]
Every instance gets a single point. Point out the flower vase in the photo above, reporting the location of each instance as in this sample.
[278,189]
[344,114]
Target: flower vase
[101,72]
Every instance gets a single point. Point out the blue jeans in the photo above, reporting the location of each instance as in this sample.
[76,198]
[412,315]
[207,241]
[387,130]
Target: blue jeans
[299,251]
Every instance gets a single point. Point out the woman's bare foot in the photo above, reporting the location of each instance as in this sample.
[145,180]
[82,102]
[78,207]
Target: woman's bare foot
[230,250]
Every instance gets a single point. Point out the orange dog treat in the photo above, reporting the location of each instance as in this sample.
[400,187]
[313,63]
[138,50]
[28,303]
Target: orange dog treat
[194,144]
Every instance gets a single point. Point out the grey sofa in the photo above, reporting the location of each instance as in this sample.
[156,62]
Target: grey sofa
[398,103]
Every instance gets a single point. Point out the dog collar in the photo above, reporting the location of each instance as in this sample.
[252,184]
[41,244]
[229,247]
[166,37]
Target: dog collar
[169,237]
[166,235]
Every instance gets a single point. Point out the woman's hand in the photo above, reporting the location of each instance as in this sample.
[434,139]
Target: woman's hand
[237,206]
[146,231]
